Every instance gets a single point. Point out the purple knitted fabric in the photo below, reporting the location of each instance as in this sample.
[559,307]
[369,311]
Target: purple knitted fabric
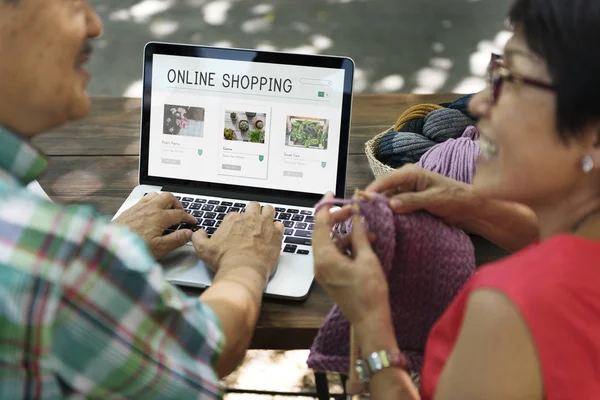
[426,263]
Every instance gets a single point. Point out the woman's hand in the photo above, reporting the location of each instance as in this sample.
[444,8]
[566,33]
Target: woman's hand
[510,225]
[413,188]
[356,284]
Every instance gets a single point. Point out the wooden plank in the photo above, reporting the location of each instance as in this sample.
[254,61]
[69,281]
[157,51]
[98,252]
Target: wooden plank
[105,181]
[113,125]
[111,128]
[384,109]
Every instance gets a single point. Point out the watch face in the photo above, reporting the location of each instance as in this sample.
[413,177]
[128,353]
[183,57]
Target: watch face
[377,362]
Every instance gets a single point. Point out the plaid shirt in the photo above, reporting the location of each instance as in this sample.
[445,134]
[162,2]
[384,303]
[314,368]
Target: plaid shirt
[84,309]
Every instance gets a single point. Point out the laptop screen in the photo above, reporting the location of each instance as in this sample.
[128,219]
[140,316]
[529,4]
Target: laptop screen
[246,123]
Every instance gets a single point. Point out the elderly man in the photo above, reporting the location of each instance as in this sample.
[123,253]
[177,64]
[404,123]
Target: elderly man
[84,309]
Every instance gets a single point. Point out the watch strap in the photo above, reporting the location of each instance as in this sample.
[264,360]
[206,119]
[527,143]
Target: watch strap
[378,361]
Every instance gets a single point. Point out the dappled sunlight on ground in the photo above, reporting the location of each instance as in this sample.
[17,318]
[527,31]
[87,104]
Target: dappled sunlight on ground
[414,46]
[276,371]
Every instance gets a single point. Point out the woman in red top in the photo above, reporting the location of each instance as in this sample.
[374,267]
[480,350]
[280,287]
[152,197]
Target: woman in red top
[526,327]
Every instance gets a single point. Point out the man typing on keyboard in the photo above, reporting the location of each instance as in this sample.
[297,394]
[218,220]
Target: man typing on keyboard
[85,310]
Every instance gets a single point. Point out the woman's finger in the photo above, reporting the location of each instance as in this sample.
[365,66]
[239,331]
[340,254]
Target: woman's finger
[359,237]
[405,177]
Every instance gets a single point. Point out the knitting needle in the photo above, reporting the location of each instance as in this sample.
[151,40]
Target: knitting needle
[353,386]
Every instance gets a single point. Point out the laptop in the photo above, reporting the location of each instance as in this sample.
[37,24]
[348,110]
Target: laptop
[221,127]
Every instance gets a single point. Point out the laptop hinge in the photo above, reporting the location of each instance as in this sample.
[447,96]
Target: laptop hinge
[242,195]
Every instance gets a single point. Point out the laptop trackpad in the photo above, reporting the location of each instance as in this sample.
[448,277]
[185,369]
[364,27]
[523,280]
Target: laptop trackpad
[292,279]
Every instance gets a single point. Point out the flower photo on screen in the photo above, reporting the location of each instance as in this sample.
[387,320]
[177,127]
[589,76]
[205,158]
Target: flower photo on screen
[183,120]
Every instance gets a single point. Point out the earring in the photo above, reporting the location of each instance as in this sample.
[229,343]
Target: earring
[587,164]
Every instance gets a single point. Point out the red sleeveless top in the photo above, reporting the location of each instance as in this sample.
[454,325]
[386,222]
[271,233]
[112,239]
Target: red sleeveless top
[555,285]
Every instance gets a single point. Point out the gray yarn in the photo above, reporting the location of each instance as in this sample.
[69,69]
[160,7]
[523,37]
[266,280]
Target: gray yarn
[404,146]
[445,123]
[399,148]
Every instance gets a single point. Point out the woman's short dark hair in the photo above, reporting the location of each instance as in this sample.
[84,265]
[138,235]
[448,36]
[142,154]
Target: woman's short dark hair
[565,33]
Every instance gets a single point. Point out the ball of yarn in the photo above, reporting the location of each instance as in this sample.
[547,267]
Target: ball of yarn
[462,105]
[420,128]
[454,158]
[444,124]
[406,147]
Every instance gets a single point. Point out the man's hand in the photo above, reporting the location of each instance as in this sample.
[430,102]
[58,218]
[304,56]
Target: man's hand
[244,252]
[151,216]
[250,239]
[413,188]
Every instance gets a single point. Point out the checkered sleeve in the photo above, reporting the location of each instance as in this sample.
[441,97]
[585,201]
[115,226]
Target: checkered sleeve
[122,331]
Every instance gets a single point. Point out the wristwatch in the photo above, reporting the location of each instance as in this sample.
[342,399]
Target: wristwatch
[377,361]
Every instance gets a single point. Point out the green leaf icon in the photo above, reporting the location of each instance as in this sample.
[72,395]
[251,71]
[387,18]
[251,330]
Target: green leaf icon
[323,164]
[261,158]
[199,152]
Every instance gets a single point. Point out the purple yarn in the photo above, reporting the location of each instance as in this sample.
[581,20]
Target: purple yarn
[454,158]
[426,263]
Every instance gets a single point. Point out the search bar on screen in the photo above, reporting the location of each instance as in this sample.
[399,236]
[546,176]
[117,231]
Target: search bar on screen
[317,82]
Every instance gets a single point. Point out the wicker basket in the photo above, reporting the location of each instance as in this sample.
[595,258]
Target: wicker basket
[371,149]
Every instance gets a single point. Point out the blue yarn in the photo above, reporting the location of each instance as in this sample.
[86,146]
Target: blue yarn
[462,104]
[414,125]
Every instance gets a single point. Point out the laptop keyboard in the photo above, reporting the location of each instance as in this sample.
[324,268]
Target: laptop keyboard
[209,213]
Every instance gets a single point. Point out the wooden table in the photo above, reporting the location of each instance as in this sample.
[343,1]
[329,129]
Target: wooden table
[96,161]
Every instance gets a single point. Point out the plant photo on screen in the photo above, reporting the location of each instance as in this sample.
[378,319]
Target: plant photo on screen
[311,133]
[244,126]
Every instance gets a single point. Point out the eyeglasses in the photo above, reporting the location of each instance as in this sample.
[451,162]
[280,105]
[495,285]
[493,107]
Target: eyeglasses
[498,73]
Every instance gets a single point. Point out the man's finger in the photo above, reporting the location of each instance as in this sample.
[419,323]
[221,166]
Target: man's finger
[253,207]
[172,241]
[174,217]
[149,196]
[279,226]
[165,201]
[177,204]
[199,240]
[405,177]
[268,212]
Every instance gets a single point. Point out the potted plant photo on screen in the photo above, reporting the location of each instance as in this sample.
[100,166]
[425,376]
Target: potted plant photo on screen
[257,136]
[244,125]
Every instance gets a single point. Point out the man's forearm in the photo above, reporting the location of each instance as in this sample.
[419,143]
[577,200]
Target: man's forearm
[235,296]
[511,226]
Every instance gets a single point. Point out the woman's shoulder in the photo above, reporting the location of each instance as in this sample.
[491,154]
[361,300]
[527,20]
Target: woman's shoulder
[554,286]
